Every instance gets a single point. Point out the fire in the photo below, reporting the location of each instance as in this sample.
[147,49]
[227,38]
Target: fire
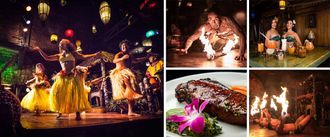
[264,101]
[255,106]
[230,44]
[273,105]
[282,100]
[258,105]
[207,45]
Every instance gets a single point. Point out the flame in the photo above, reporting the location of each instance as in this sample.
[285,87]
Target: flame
[207,45]
[264,101]
[273,105]
[254,108]
[282,100]
[230,44]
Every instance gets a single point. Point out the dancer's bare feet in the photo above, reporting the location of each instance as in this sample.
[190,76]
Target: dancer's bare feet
[133,114]
[37,113]
[59,116]
[78,116]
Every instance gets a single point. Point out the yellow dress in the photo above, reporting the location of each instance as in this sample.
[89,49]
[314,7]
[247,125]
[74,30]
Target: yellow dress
[119,90]
[38,98]
[68,93]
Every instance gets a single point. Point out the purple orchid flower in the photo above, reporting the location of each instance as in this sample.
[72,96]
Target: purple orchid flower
[193,117]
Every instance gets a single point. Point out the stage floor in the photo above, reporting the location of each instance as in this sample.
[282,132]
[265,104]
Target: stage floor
[198,59]
[92,124]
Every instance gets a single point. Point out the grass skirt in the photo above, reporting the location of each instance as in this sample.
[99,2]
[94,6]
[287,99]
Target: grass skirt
[119,89]
[38,98]
[68,94]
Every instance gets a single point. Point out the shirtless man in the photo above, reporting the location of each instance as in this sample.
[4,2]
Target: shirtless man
[218,30]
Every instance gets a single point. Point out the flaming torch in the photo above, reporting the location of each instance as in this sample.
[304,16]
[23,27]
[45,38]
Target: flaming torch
[264,101]
[255,106]
[272,104]
[230,44]
[210,52]
[282,100]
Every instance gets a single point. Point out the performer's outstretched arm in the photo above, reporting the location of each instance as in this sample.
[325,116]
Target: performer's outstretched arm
[45,56]
[30,81]
[85,56]
[192,38]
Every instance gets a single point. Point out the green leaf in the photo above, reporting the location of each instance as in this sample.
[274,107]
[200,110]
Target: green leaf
[175,111]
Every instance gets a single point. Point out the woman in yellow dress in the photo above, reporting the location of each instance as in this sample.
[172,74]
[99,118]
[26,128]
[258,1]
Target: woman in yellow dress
[37,99]
[68,93]
[124,85]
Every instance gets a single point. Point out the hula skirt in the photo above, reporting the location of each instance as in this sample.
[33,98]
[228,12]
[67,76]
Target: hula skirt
[119,89]
[68,94]
[38,98]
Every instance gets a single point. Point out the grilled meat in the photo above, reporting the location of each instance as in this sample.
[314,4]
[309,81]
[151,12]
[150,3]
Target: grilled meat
[227,105]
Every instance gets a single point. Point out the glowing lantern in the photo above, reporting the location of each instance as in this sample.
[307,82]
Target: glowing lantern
[147,43]
[282,4]
[189,4]
[151,33]
[53,38]
[28,8]
[43,10]
[78,44]
[105,12]
[69,33]
[94,29]
[63,2]
[25,29]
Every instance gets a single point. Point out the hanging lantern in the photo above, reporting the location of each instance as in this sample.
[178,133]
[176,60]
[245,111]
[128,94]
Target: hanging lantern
[282,4]
[69,33]
[25,29]
[78,44]
[147,43]
[43,10]
[63,2]
[94,29]
[151,33]
[28,8]
[105,12]
[53,38]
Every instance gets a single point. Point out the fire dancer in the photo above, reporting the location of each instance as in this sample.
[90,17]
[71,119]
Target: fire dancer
[285,128]
[68,91]
[217,30]
[123,80]
[38,98]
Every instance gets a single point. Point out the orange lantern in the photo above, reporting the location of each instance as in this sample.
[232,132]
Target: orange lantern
[78,44]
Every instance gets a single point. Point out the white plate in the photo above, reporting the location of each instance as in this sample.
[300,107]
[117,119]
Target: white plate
[226,78]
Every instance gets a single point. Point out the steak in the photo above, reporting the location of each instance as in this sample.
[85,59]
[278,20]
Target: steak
[227,105]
